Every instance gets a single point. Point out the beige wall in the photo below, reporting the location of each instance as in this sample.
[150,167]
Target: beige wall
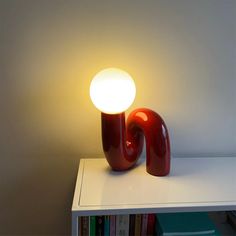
[181,53]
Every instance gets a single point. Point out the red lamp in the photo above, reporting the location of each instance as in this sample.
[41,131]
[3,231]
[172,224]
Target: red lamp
[112,91]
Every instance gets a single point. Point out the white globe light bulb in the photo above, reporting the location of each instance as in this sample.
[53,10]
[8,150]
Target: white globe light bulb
[112,91]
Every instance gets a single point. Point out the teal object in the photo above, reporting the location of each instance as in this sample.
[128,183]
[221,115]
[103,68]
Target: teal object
[185,224]
[92,226]
[107,226]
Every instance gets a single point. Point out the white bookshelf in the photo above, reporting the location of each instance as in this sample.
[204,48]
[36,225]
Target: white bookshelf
[194,184]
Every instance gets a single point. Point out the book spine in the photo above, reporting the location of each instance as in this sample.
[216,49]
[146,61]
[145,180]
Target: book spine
[106,226]
[85,226]
[232,219]
[151,224]
[92,226]
[99,225]
[122,225]
[79,225]
[138,222]
[112,225]
[144,224]
[131,225]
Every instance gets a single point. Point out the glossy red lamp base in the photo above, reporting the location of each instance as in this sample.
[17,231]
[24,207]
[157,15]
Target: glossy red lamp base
[123,142]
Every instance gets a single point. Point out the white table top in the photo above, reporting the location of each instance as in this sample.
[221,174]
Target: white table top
[194,184]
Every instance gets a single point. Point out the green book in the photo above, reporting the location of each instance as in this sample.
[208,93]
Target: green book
[185,224]
[92,226]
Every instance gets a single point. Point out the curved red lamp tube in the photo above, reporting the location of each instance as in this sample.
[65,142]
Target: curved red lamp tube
[123,142]
[112,91]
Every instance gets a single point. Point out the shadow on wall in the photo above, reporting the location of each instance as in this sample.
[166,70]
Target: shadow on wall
[38,189]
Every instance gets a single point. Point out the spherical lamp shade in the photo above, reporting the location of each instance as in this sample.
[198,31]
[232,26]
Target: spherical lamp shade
[112,91]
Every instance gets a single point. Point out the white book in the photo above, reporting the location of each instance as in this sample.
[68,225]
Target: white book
[122,225]
[144,224]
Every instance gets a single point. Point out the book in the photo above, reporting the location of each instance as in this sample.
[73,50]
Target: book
[84,226]
[234,213]
[112,225]
[99,226]
[144,224]
[151,224]
[180,224]
[106,226]
[92,226]
[232,219]
[131,224]
[122,225]
[137,224]
[79,225]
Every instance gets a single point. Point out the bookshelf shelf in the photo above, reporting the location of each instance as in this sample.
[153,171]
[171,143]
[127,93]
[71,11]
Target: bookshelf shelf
[194,184]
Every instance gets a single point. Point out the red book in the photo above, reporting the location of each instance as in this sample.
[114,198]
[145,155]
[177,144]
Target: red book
[151,224]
